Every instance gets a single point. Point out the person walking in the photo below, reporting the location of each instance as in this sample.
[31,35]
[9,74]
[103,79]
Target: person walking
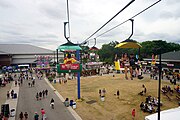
[12,93]
[29,84]
[43,93]
[36,116]
[21,116]
[100,92]
[133,114]
[40,95]
[26,115]
[37,96]
[52,103]
[33,83]
[15,83]
[8,95]
[118,94]
[43,113]
[46,92]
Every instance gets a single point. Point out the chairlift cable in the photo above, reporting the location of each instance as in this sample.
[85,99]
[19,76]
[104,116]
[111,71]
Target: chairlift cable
[110,20]
[128,19]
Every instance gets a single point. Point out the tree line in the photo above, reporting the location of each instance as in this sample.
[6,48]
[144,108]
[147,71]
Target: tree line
[108,51]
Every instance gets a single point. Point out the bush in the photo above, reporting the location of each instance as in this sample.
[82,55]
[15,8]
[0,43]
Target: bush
[50,79]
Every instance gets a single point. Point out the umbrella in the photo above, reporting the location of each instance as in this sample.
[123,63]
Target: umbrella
[69,46]
[128,44]
[94,48]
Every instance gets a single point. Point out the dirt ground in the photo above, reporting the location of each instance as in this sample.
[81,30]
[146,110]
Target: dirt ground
[113,108]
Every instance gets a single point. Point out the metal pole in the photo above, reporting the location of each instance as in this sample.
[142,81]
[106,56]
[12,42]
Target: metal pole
[57,56]
[78,76]
[132,20]
[68,17]
[54,56]
[159,89]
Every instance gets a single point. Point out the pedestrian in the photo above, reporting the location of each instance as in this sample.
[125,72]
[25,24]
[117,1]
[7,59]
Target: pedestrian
[36,116]
[15,83]
[43,93]
[26,115]
[33,83]
[118,94]
[21,116]
[8,95]
[12,93]
[104,92]
[133,114]
[40,95]
[59,80]
[21,81]
[29,84]
[37,96]
[100,92]
[46,92]
[43,114]
[145,90]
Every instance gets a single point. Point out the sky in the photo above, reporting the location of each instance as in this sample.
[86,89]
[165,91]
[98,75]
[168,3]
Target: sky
[41,22]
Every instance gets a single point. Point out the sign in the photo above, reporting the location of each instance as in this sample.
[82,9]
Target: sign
[69,68]
[170,65]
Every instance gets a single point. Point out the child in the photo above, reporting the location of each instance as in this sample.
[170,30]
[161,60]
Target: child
[133,114]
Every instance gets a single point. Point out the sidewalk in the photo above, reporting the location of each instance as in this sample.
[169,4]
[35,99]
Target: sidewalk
[13,102]
[73,112]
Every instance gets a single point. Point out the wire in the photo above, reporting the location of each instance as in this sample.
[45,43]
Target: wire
[128,19]
[110,19]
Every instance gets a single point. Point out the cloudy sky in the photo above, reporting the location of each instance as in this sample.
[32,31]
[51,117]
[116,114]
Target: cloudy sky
[40,22]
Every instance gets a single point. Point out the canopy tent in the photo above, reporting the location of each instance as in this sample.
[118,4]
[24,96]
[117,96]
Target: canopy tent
[129,43]
[94,48]
[171,114]
[69,46]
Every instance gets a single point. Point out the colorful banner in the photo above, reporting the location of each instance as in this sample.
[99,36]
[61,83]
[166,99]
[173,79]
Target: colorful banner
[69,66]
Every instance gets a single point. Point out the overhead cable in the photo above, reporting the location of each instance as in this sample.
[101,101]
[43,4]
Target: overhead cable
[128,19]
[109,20]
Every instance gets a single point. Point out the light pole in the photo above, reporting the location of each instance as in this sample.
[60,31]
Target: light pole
[159,88]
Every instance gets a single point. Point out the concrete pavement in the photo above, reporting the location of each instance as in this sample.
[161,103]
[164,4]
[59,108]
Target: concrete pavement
[13,102]
[73,112]
[28,103]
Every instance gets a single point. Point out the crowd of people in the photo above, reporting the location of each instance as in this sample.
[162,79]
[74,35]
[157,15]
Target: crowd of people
[150,104]
[41,94]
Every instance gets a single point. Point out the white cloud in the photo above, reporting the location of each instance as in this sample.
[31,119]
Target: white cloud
[40,22]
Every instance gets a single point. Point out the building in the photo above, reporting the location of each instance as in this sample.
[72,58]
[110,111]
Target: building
[170,61]
[16,54]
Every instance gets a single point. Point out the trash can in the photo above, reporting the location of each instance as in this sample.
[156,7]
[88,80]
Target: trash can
[15,96]
[74,105]
[55,81]
[102,98]
[12,112]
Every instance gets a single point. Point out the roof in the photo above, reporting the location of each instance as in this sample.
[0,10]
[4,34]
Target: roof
[23,61]
[171,114]
[171,55]
[23,49]
[3,53]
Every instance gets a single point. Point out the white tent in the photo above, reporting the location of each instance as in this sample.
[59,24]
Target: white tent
[171,114]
